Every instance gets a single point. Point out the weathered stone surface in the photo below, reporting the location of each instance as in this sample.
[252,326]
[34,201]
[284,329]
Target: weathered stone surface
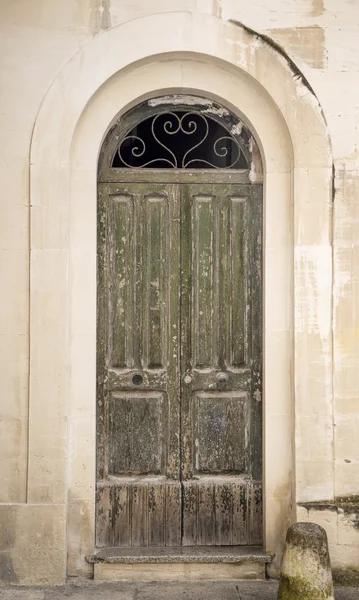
[226,590]
[32,544]
[306,572]
[178,571]
[199,554]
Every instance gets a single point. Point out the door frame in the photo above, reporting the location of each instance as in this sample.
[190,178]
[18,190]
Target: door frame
[250,180]
[278,334]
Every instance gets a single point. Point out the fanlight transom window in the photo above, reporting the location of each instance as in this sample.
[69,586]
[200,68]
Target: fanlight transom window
[180,139]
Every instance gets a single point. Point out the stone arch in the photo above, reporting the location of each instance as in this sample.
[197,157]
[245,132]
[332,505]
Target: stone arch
[220,61]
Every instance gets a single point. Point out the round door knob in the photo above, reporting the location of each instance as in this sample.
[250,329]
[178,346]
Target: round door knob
[222,378]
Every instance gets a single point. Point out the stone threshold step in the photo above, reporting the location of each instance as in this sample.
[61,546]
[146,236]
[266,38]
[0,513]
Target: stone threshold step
[204,563]
[187,554]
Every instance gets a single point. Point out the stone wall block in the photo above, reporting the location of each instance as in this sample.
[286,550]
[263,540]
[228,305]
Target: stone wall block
[81,535]
[14,369]
[314,480]
[32,544]
[312,189]
[348,527]
[346,477]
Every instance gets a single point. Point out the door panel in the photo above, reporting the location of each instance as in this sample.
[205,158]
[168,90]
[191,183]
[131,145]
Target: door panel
[202,265]
[121,308]
[221,364]
[179,365]
[222,513]
[138,448]
[138,513]
[133,418]
[220,438]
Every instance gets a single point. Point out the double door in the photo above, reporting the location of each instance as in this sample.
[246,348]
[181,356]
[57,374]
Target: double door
[179,359]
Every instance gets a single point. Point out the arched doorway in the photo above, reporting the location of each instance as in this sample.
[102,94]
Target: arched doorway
[179,329]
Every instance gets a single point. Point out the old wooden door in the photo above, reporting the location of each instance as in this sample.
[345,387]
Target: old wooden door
[221,364]
[138,448]
[179,364]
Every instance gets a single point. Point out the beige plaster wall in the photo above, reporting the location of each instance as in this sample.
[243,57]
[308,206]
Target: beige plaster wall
[37,41]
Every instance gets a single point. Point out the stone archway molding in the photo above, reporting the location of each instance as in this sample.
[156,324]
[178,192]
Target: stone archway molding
[203,55]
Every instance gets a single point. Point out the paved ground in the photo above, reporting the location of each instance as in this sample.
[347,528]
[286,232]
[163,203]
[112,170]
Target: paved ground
[158,591]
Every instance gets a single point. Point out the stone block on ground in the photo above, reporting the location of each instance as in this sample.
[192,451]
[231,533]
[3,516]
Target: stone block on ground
[306,572]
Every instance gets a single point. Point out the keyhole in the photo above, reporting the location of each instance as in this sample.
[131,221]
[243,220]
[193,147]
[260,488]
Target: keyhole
[222,378]
[137,379]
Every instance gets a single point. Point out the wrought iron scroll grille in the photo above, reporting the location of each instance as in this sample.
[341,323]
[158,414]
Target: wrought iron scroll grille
[179,140]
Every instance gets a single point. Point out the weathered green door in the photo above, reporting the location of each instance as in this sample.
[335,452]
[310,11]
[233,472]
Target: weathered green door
[138,448]
[179,365]
[221,364]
